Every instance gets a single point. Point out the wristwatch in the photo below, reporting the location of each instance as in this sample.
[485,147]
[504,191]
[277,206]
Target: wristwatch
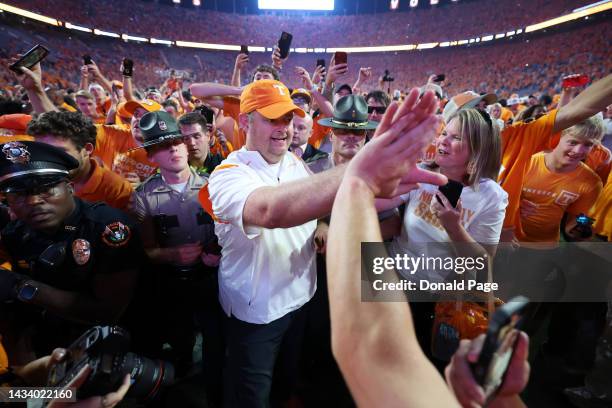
[26,291]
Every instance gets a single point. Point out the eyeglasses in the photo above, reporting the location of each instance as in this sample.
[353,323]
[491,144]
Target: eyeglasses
[44,191]
[350,132]
[378,109]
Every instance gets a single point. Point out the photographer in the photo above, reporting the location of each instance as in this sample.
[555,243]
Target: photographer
[35,374]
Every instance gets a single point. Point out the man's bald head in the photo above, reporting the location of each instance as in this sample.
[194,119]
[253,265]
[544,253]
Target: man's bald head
[302,128]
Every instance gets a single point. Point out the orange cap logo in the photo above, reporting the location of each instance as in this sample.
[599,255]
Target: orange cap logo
[268,97]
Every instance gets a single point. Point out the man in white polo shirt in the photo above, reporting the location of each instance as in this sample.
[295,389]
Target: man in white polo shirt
[265,203]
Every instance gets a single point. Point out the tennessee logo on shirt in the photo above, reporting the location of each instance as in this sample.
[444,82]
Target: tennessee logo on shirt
[423,211]
[566,198]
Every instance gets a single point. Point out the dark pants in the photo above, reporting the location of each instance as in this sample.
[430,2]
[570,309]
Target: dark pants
[251,355]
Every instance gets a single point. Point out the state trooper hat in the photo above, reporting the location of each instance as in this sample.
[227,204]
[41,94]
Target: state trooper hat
[350,112]
[158,127]
[27,164]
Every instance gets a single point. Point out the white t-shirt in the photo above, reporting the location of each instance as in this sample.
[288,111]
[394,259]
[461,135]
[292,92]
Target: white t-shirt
[264,273]
[482,217]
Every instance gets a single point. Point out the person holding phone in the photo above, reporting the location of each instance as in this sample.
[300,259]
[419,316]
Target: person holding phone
[375,343]
[468,151]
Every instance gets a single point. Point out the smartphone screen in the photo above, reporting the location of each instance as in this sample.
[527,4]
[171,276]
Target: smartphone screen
[87,59]
[284,43]
[499,345]
[340,57]
[30,58]
[320,62]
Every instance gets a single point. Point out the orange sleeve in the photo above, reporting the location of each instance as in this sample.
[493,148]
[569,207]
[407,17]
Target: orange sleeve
[600,161]
[110,140]
[231,107]
[318,132]
[519,142]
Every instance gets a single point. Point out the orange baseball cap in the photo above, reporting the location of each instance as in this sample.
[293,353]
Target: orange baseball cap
[269,98]
[146,104]
[118,84]
[15,121]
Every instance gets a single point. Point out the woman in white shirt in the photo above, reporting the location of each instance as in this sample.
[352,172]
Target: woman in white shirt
[469,151]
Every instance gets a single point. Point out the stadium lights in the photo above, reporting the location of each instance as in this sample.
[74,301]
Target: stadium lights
[132,38]
[487,38]
[105,33]
[414,3]
[208,46]
[569,17]
[433,2]
[509,33]
[176,1]
[461,42]
[257,49]
[498,36]
[383,48]
[590,5]
[78,28]
[394,4]
[426,46]
[520,30]
[319,50]
[445,44]
[29,14]
[300,50]
[472,40]
[158,41]
[197,3]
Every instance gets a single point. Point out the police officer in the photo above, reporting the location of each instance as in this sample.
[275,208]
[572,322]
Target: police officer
[179,238]
[73,262]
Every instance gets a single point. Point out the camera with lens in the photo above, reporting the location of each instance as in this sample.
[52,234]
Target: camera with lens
[387,77]
[105,350]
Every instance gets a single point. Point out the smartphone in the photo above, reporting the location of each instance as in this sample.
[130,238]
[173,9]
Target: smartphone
[340,57]
[439,78]
[575,81]
[321,63]
[207,113]
[452,191]
[284,43]
[584,225]
[490,369]
[244,49]
[128,67]
[30,58]
[87,59]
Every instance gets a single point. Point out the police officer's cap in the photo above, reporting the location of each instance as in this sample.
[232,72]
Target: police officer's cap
[158,127]
[26,164]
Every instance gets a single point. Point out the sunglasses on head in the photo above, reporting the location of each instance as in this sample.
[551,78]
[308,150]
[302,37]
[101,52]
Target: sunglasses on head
[377,109]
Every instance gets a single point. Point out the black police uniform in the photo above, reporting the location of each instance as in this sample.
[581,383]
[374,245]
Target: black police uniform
[94,240]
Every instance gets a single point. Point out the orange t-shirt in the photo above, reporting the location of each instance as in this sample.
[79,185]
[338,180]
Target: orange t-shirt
[104,108]
[506,115]
[602,212]
[4,363]
[231,108]
[112,147]
[106,186]
[600,160]
[555,193]
[318,132]
[520,141]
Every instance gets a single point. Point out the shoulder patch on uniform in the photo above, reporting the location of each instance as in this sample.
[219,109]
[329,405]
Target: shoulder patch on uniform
[116,234]
[153,176]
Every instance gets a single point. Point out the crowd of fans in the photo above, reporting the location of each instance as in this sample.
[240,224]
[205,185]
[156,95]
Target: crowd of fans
[229,184]
[475,19]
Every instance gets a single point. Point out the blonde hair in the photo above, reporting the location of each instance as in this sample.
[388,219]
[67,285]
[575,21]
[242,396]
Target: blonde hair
[590,128]
[484,143]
